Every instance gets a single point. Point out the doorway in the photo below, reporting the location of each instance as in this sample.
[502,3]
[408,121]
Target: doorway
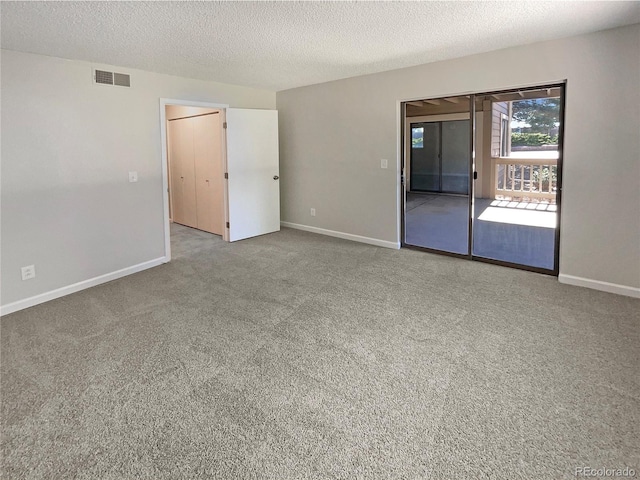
[196,173]
[248,170]
[507,152]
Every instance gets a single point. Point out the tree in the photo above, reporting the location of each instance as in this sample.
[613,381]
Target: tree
[542,114]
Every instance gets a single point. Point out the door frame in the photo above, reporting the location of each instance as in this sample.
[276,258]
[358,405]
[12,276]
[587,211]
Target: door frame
[165,170]
[402,170]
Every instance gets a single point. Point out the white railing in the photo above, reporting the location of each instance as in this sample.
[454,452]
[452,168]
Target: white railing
[534,178]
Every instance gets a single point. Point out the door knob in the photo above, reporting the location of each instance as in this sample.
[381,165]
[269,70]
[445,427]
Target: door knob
[276,177]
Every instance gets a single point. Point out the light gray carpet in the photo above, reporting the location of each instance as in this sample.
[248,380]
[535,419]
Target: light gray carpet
[295,355]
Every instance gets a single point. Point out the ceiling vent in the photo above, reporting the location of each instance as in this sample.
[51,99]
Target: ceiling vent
[103,77]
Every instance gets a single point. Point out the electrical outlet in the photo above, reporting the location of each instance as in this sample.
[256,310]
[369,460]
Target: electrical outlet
[384,163]
[28,272]
[313,212]
[133,177]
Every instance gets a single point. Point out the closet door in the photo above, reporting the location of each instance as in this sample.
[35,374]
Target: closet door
[208,172]
[183,188]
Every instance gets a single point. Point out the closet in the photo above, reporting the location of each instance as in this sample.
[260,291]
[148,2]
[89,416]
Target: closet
[195,172]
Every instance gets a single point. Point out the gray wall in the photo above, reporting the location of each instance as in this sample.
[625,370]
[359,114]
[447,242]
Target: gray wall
[67,148]
[333,136]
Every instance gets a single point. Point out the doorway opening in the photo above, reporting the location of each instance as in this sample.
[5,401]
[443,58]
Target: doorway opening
[242,146]
[196,173]
[482,176]
[193,165]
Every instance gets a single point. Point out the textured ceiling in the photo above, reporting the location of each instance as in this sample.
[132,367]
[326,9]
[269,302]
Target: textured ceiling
[281,45]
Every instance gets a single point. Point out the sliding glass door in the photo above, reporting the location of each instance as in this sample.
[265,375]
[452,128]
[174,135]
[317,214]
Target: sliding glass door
[511,142]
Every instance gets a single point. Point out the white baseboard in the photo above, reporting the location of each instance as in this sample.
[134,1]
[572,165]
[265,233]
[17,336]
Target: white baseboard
[599,285]
[346,236]
[76,287]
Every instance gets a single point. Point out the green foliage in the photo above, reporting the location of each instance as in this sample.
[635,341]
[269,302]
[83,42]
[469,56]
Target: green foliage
[532,139]
[541,113]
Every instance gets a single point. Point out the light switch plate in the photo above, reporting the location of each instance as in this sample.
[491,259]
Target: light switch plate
[133,177]
[384,163]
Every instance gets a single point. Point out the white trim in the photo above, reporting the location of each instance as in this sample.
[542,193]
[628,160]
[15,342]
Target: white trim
[191,103]
[76,287]
[599,285]
[346,236]
[165,173]
[399,172]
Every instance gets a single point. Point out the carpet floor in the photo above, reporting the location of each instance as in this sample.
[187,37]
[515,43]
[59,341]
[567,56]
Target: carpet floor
[295,355]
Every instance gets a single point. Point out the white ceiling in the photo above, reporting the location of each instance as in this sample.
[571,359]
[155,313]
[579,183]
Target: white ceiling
[281,45]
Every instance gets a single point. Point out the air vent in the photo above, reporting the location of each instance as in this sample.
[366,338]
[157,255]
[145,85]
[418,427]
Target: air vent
[110,78]
[106,78]
[122,79]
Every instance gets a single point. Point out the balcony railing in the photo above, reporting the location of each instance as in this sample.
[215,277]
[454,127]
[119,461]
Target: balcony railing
[532,178]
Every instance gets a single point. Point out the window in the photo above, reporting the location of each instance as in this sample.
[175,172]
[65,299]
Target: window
[417,137]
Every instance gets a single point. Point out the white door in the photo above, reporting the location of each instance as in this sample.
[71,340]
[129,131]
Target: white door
[253,162]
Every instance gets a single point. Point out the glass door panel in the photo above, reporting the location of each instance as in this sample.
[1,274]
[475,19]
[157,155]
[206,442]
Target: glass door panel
[439,157]
[516,220]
